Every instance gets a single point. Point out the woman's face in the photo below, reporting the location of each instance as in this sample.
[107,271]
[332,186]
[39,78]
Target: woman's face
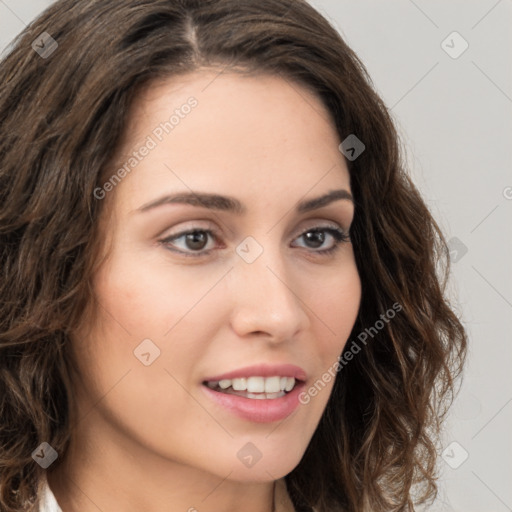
[177,310]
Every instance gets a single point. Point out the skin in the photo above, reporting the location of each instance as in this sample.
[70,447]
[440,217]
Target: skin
[148,437]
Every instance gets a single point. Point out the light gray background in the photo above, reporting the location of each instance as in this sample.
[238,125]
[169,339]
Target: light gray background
[455,118]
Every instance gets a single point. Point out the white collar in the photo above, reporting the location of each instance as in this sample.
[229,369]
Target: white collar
[48,503]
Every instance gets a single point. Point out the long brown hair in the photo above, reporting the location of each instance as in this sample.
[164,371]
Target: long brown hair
[62,119]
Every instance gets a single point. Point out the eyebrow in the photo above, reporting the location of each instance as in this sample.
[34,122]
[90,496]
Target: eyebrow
[231,204]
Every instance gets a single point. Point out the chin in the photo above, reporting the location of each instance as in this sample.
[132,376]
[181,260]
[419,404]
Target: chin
[264,461]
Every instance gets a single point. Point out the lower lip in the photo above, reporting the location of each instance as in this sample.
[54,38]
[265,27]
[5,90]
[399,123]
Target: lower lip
[258,410]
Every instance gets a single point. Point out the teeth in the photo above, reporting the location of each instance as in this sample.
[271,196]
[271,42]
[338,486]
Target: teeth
[272,385]
[256,385]
[257,396]
[225,383]
[289,384]
[239,384]
[252,385]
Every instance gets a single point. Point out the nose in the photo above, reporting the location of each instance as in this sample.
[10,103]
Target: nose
[266,298]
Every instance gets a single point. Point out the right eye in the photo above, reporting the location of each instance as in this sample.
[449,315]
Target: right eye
[194,239]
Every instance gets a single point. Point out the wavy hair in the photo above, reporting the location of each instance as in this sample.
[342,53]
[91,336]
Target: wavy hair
[62,119]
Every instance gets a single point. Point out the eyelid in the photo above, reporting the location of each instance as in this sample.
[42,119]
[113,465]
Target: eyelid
[316,223]
[186,226]
[310,223]
[210,226]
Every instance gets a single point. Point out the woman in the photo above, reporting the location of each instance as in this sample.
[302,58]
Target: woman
[219,284]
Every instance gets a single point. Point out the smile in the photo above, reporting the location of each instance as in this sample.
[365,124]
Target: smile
[255,387]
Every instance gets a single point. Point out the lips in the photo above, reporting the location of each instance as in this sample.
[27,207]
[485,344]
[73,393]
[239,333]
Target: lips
[259,393]
[263,410]
[261,370]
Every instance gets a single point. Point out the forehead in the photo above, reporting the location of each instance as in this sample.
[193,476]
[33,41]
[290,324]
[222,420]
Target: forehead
[244,131]
[258,104]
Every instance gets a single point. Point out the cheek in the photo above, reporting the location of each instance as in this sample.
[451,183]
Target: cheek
[140,299]
[144,297]
[336,305]
[143,308]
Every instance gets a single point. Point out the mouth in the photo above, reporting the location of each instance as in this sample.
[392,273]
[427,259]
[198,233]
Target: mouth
[255,387]
[261,393]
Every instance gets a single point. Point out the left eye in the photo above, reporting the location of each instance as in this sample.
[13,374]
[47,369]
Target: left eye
[196,239]
[317,236]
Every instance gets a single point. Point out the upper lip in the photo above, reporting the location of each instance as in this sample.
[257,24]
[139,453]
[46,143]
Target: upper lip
[262,370]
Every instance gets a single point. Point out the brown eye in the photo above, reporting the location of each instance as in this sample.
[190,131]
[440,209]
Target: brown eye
[196,240]
[193,241]
[316,237]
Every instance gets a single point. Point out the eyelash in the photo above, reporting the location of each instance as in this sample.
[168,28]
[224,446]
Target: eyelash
[338,235]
